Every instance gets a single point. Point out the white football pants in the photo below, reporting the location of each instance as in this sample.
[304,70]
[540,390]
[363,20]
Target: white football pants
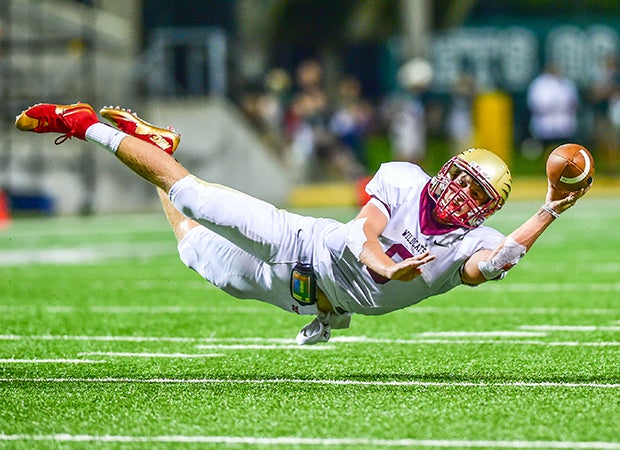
[246,247]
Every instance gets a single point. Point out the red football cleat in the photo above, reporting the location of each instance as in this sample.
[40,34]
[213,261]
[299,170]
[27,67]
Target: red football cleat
[127,121]
[69,120]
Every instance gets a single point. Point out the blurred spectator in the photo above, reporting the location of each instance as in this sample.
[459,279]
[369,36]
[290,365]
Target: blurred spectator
[605,97]
[314,148]
[271,106]
[352,117]
[249,106]
[307,116]
[459,121]
[405,113]
[553,101]
[264,104]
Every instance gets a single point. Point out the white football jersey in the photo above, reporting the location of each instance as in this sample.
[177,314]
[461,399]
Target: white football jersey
[396,189]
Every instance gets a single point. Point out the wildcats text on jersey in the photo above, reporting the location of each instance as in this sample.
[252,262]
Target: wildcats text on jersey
[416,245]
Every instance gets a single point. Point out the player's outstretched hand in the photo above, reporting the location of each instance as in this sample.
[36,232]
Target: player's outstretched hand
[409,268]
[560,201]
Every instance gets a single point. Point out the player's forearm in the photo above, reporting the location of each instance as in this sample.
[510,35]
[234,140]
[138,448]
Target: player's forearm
[373,256]
[363,239]
[532,228]
[485,265]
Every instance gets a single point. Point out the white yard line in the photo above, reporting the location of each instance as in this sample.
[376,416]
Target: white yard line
[272,343]
[12,337]
[322,442]
[413,383]
[96,226]
[248,309]
[571,328]
[86,254]
[49,360]
[482,334]
[264,347]
[497,310]
[367,340]
[552,287]
[511,342]
[152,355]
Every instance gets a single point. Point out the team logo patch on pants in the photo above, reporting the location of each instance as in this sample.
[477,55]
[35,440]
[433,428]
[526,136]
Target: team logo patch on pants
[303,284]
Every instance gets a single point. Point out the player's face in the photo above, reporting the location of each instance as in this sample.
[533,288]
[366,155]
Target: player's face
[462,195]
[473,189]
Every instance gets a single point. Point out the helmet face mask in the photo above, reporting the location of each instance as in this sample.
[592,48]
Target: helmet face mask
[470,187]
[457,207]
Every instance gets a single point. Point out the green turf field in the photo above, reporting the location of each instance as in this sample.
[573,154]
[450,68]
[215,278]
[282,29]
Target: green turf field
[108,341]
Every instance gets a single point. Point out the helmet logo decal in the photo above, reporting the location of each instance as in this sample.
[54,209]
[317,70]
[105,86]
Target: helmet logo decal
[480,170]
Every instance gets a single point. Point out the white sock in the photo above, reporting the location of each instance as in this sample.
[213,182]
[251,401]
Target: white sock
[105,135]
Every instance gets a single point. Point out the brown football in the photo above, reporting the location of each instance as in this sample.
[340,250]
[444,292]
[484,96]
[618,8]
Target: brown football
[570,167]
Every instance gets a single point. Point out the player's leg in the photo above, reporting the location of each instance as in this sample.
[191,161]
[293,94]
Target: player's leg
[179,223]
[139,151]
[166,139]
[143,147]
[81,121]
[156,167]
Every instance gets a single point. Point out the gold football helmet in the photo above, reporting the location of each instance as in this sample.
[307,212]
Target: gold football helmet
[454,205]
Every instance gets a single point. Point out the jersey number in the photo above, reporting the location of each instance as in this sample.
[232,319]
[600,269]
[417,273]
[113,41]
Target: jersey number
[397,249]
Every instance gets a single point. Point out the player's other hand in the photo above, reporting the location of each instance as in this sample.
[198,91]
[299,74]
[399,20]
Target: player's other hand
[560,200]
[409,268]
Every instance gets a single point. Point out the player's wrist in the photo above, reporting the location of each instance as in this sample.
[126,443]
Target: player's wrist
[547,208]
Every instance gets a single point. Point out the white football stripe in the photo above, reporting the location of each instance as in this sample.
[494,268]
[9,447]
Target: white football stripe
[581,176]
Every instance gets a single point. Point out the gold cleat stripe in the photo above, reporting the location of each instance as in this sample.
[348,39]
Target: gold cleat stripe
[25,123]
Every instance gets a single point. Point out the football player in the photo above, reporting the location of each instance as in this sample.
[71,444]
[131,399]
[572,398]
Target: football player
[418,236]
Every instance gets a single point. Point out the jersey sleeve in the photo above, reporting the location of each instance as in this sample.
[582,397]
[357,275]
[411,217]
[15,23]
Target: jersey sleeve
[393,183]
[482,238]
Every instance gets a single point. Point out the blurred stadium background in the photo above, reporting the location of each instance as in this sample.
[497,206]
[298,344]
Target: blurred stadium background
[227,75]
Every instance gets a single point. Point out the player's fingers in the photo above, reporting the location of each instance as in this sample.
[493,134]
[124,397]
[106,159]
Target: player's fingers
[581,192]
[419,260]
[426,256]
[572,198]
